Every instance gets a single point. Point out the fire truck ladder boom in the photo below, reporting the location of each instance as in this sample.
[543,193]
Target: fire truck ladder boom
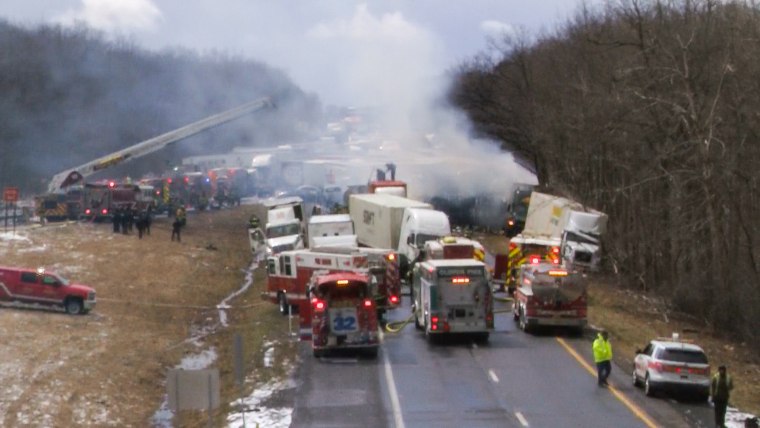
[73,175]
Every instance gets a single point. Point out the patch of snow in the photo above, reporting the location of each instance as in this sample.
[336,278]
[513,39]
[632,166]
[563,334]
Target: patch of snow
[735,418]
[10,236]
[199,361]
[269,357]
[253,414]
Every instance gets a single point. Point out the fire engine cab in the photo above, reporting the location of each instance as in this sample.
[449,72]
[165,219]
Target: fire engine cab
[343,314]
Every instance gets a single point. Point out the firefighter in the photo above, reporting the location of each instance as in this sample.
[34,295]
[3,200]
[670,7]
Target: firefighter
[254,222]
[116,221]
[181,215]
[720,391]
[602,357]
[176,228]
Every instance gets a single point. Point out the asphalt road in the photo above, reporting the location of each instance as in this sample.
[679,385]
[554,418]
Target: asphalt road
[514,380]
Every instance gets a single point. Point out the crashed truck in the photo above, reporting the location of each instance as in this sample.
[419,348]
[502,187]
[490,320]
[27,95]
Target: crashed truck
[559,231]
[283,228]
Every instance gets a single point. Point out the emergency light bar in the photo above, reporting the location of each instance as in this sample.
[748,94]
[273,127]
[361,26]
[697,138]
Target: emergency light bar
[341,282]
[555,272]
[460,280]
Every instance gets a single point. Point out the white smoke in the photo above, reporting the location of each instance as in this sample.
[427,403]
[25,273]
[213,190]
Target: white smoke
[398,67]
[114,17]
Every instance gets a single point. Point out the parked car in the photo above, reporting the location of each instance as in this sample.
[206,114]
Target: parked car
[672,364]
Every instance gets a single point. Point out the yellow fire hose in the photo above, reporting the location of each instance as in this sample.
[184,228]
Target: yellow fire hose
[396,326]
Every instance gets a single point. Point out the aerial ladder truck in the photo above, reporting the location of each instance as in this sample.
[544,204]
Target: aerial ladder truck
[52,201]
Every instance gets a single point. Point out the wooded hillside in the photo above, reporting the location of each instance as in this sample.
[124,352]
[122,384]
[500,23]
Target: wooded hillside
[68,96]
[648,111]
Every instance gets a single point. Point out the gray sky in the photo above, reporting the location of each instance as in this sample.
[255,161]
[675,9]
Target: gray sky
[349,53]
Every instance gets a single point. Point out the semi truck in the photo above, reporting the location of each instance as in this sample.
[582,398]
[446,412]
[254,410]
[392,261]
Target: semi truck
[576,228]
[550,295]
[558,231]
[400,224]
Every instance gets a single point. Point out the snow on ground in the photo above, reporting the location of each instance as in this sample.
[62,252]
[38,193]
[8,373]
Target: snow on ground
[256,415]
[735,418]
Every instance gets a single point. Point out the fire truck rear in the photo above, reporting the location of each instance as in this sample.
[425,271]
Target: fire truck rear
[452,296]
[550,295]
[343,314]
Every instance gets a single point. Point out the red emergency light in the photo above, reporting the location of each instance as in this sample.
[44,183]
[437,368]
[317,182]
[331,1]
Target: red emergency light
[555,250]
[319,305]
[391,257]
[111,184]
[534,260]
[367,303]
[104,211]
[394,299]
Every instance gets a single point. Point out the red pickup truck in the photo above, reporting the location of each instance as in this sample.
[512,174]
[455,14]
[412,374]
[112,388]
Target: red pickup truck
[45,288]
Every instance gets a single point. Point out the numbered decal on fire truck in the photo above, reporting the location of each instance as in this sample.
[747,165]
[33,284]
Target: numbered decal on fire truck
[343,320]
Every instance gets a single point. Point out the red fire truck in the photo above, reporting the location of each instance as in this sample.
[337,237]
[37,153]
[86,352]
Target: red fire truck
[549,295]
[289,272]
[342,314]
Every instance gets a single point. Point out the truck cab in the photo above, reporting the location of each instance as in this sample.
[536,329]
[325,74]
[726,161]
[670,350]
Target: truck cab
[284,227]
[452,296]
[419,225]
[343,314]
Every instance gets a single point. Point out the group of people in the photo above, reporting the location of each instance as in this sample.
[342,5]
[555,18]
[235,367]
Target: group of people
[720,385]
[126,218]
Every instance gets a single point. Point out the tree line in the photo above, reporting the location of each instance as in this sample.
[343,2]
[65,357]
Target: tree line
[68,96]
[648,111]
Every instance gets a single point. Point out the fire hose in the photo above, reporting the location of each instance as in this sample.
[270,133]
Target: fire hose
[397,326]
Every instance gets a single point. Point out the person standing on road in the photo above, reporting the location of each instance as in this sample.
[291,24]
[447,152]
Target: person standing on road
[176,227]
[720,391]
[602,357]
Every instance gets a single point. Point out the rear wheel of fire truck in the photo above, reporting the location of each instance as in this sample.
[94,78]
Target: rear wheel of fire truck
[74,306]
[524,322]
[481,338]
[370,353]
[417,324]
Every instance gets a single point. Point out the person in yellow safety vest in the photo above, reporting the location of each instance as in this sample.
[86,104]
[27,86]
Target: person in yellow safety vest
[720,391]
[182,215]
[602,357]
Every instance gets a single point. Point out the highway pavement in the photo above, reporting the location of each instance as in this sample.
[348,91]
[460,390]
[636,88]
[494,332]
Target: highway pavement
[513,380]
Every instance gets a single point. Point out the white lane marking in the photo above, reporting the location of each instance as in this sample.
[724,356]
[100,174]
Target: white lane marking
[395,403]
[492,375]
[522,419]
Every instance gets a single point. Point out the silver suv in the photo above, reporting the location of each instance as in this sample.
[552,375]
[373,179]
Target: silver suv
[672,364]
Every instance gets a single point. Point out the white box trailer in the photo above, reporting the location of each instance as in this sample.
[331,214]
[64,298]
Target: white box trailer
[577,228]
[377,218]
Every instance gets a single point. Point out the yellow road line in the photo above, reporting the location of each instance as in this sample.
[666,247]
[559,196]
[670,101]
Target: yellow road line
[619,395]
